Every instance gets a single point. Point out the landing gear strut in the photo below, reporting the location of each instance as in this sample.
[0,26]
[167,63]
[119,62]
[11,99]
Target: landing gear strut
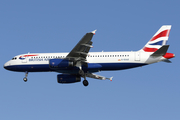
[85,82]
[82,74]
[25,78]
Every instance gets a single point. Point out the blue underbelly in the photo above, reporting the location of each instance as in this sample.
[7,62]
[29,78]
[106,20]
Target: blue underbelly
[100,66]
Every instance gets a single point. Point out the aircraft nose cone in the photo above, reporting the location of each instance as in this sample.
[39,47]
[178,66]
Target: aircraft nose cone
[6,65]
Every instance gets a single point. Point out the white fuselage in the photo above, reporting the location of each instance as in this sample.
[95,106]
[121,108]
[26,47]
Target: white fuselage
[109,59]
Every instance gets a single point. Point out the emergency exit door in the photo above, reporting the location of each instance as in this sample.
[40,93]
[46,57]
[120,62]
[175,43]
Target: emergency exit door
[137,56]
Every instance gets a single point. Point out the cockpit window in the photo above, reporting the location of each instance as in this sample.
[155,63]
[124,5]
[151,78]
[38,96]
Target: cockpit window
[14,58]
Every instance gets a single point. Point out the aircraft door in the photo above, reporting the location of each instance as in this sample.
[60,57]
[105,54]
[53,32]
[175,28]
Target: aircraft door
[137,56]
[25,60]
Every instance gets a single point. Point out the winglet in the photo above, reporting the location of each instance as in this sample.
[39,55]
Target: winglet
[110,78]
[94,32]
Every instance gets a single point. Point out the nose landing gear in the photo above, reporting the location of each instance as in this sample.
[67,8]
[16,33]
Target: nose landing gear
[25,78]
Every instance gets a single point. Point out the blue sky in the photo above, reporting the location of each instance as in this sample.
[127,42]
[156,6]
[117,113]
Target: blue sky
[150,92]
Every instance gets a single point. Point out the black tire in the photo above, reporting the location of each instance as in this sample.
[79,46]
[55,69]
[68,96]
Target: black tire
[85,83]
[25,79]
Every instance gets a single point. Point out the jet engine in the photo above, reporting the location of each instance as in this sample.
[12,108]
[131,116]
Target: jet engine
[64,78]
[60,63]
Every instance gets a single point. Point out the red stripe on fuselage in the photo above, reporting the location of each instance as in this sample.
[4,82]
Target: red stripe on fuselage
[28,55]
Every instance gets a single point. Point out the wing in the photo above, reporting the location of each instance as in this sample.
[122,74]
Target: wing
[91,75]
[79,53]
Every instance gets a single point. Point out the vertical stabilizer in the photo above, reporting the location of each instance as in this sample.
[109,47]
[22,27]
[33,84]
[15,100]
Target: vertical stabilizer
[158,40]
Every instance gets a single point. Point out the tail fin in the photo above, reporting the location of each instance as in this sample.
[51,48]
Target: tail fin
[158,40]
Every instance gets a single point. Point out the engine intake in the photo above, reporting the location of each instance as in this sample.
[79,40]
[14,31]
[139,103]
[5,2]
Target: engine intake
[63,78]
[60,63]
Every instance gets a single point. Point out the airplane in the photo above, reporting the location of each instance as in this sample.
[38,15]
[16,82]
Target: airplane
[79,62]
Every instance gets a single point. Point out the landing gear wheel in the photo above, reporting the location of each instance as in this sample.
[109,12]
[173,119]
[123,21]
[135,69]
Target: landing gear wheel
[81,72]
[25,79]
[85,83]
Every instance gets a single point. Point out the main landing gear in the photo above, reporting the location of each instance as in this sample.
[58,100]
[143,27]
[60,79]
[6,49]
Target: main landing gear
[25,78]
[85,82]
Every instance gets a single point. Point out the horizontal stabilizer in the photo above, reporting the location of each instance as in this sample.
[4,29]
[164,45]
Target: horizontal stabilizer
[167,61]
[161,51]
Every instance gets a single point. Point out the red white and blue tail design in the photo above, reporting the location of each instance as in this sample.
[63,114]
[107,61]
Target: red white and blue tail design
[158,40]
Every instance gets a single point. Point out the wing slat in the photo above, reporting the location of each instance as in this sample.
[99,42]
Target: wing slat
[91,75]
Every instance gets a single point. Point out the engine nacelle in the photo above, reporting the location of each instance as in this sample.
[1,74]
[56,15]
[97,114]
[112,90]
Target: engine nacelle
[63,78]
[60,63]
